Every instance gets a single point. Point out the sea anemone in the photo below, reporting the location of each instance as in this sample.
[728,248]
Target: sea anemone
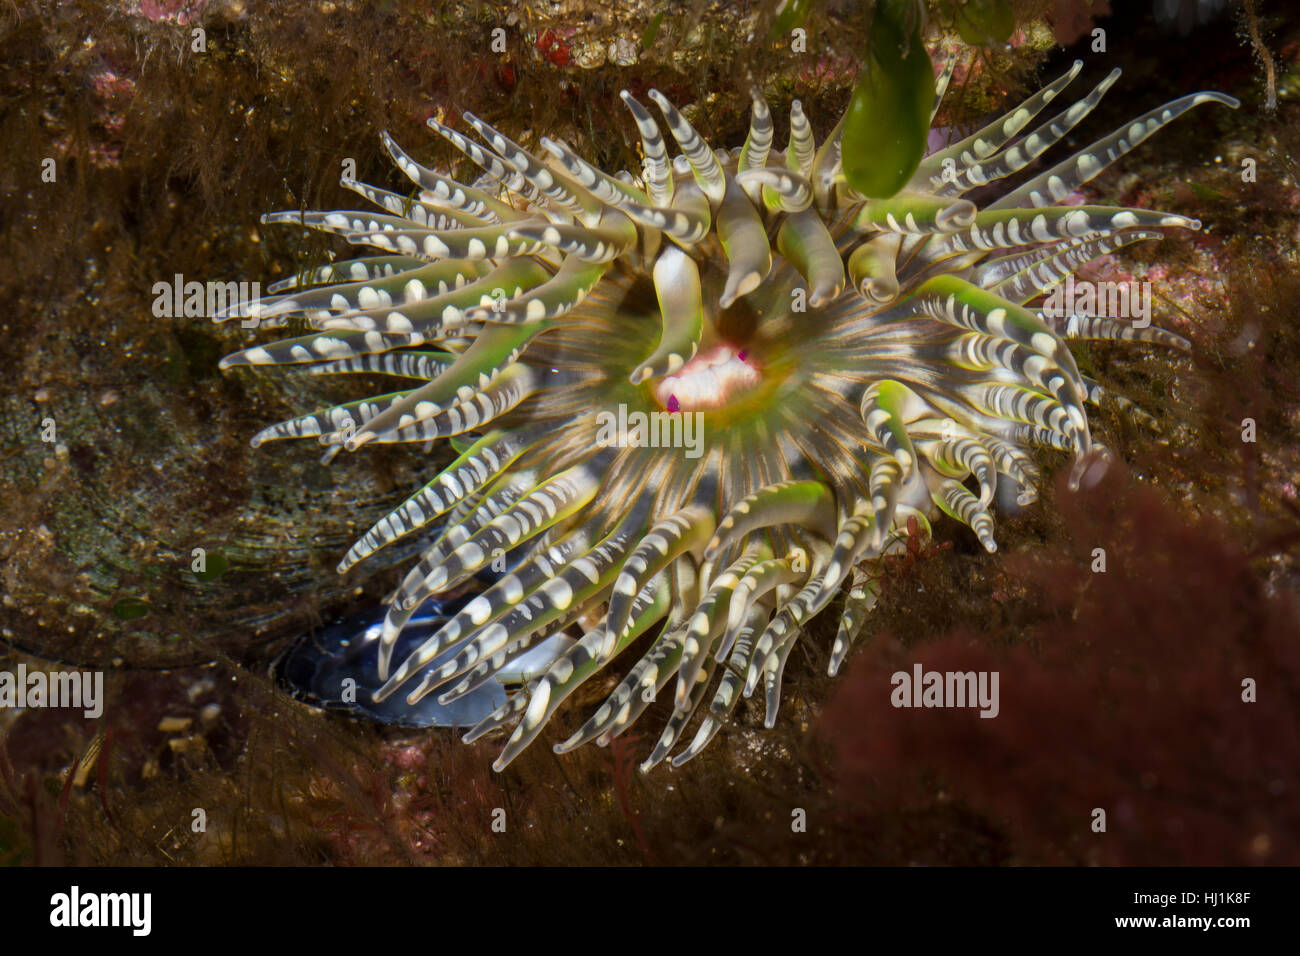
[690,404]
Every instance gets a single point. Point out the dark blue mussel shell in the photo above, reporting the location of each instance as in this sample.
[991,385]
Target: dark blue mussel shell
[315,666]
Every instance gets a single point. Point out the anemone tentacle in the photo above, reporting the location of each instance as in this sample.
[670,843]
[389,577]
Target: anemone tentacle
[697,401]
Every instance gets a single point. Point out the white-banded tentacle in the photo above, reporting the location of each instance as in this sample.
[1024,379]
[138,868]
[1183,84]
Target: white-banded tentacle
[633,694]
[730,685]
[657,171]
[551,502]
[442,190]
[1085,165]
[571,669]
[571,585]
[861,599]
[483,462]
[704,165]
[495,601]
[706,625]
[683,532]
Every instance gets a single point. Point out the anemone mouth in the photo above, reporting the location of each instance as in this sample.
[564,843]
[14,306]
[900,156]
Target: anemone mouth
[862,364]
[712,379]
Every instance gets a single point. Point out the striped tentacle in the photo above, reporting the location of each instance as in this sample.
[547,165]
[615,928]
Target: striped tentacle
[915,214]
[638,689]
[345,418]
[696,682]
[960,456]
[546,613]
[885,484]
[320,346]
[686,220]
[785,632]
[993,137]
[363,269]
[805,242]
[953,498]
[339,222]
[1016,465]
[561,191]
[1041,418]
[470,374]
[983,353]
[773,645]
[710,618]
[545,506]
[730,685]
[861,599]
[656,173]
[872,268]
[681,308]
[744,242]
[704,165]
[397,235]
[412,364]
[494,665]
[497,168]
[761,578]
[941,82]
[939,440]
[550,300]
[569,588]
[852,541]
[806,503]
[1100,327]
[429,215]
[783,190]
[408,285]
[1034,280]
[575,666]
[634,693]
[1127,407]
[1017,157]
[483,462]
[1008,228]
[483,242]
[683,532]
[469,516]
[681,715]
[1040,433]
[480,507]
[957,302]
[1065,177]
[884,407]
[503,392]
[462,523]
[758,144]
[992,270]
[507,593]
[441,190]
[446,311]
[511,710]
[770,652]
[606,188]
[597,244]
[828,170]
[801,150]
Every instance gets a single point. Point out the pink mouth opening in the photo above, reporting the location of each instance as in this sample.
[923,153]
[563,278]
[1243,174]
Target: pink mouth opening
[710,380]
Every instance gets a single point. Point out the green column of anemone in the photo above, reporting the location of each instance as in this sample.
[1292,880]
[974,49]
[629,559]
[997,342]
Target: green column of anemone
[888,119]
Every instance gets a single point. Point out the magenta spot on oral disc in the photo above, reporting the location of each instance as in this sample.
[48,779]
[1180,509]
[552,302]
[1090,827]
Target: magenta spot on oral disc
[673,404]
[743,355]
